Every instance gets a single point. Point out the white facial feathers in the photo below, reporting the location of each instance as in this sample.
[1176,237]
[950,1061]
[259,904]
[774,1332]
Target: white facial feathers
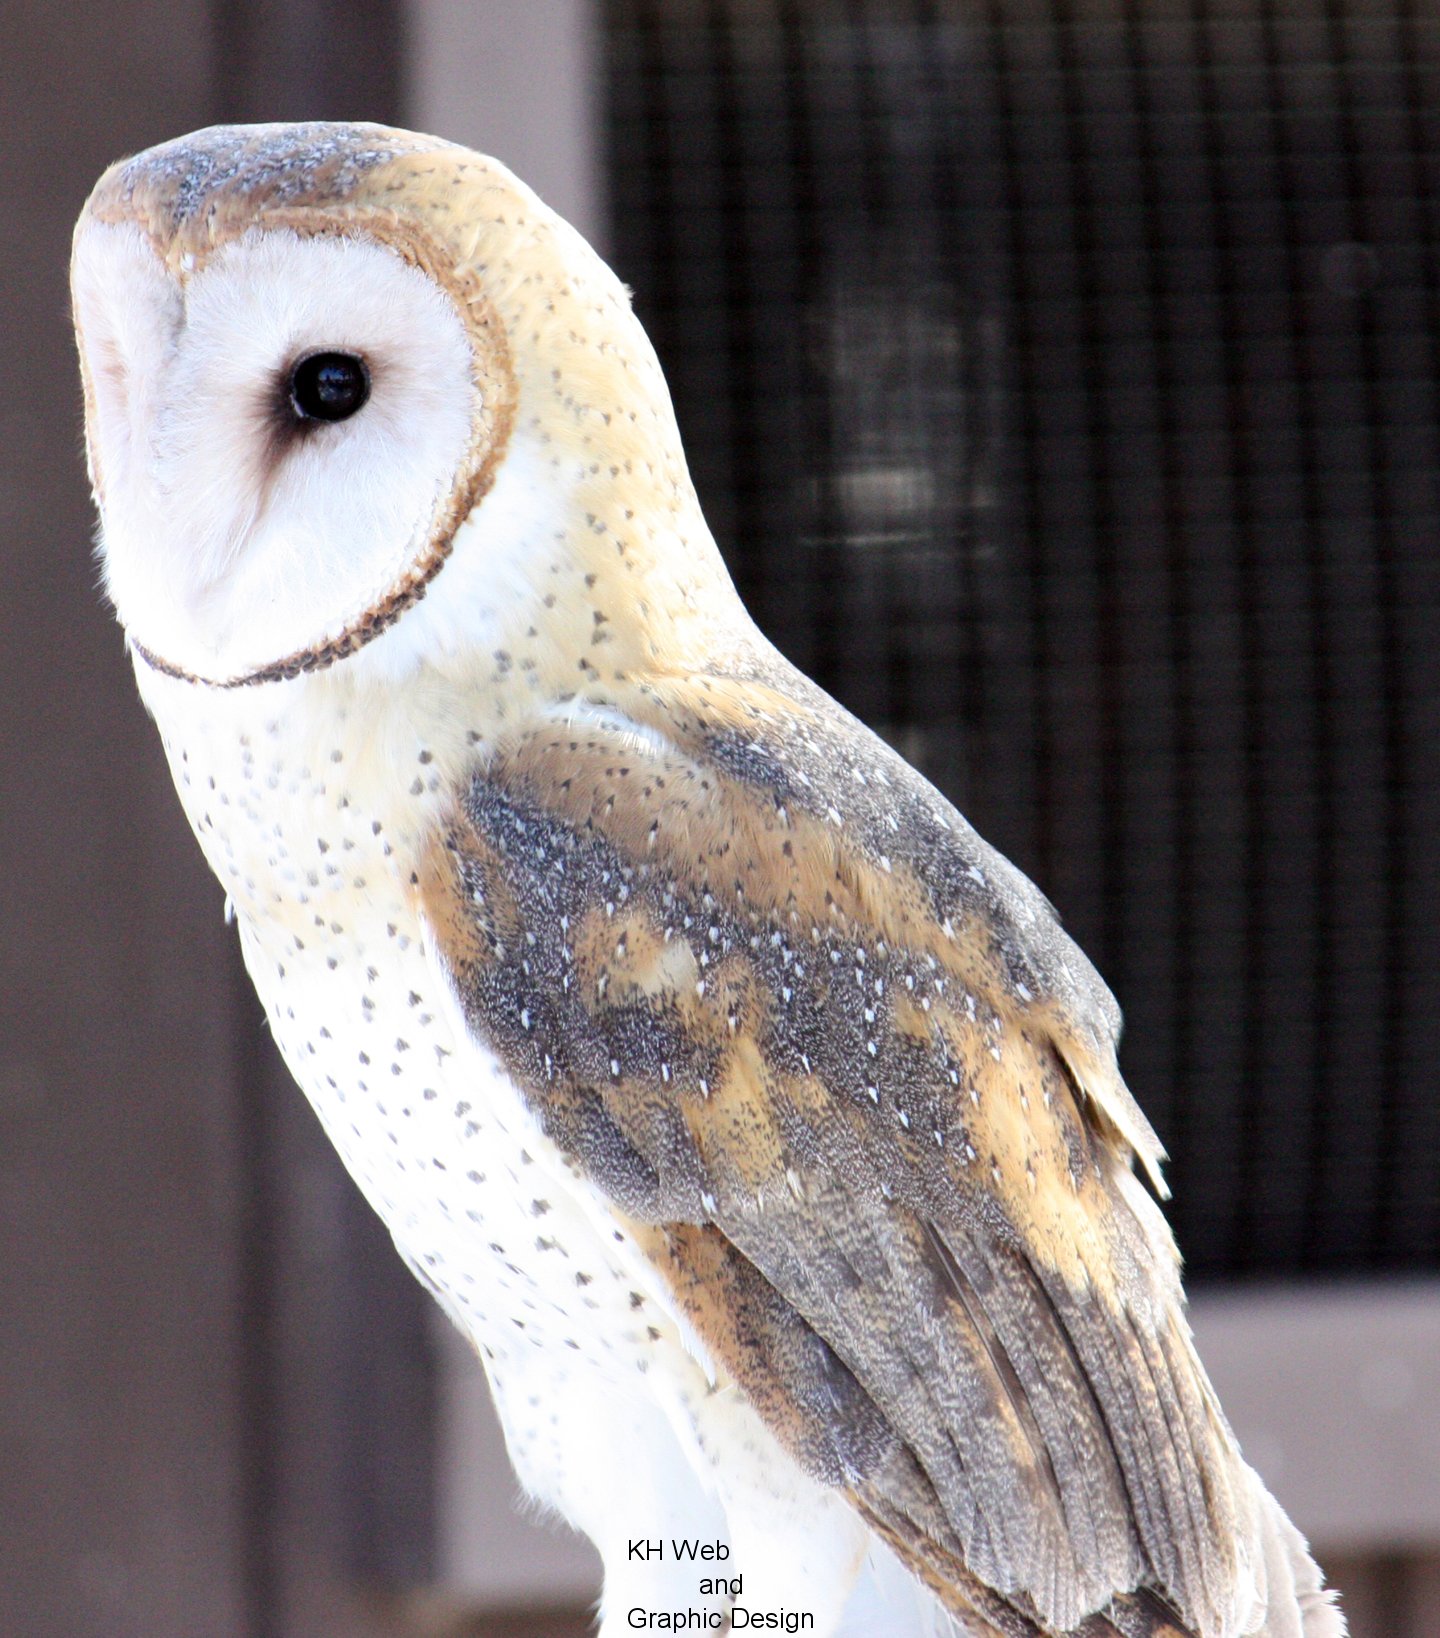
[511,502]
[233,533]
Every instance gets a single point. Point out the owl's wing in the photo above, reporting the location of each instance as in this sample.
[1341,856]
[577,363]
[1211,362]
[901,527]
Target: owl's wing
[855,1092]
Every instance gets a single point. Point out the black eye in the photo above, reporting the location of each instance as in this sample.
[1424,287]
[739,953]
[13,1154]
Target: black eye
[328,386]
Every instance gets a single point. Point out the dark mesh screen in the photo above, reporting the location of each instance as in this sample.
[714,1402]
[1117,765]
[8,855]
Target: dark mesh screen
[1061,383]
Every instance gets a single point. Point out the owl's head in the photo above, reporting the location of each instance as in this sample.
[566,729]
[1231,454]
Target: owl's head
[352,390]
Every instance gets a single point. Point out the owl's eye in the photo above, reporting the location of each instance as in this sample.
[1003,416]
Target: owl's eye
[328,386]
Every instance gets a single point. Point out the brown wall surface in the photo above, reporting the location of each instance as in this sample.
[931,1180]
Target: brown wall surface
[121,1488]
[213,1399]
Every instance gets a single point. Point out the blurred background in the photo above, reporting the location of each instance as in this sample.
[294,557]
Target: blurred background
[1060,380]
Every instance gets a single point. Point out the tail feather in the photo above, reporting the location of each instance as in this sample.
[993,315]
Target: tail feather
[1290,1596]
[1283,1595]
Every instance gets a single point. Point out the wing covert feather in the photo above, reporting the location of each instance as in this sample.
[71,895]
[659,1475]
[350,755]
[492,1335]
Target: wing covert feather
[838,1065]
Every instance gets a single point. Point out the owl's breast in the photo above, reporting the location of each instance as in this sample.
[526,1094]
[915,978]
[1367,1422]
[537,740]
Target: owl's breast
[521,1251]
[312,836]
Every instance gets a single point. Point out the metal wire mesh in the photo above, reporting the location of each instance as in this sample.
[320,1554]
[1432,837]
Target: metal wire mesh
[1061,383]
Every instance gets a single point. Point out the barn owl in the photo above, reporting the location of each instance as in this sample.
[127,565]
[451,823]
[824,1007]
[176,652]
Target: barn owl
[754,1119]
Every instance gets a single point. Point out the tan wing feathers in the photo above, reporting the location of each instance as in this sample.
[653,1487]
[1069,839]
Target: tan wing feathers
[733,1010]
[739,720]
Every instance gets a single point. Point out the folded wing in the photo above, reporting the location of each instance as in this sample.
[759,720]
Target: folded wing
[855,1091]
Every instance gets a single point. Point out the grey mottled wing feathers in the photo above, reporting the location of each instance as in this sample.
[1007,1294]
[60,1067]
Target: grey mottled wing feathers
[837,1064]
